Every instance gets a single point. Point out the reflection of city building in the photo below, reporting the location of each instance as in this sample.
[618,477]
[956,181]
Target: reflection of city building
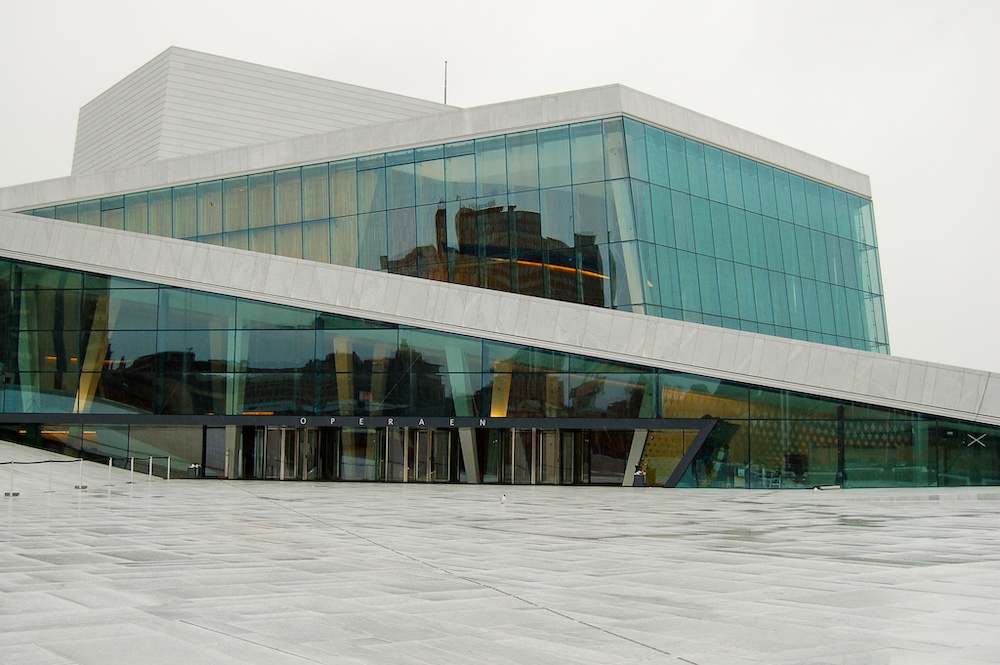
[521,293]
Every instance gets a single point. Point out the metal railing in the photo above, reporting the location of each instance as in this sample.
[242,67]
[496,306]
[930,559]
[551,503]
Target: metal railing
[127,462]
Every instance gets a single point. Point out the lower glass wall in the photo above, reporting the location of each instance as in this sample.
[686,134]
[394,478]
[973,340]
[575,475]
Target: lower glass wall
[751,454]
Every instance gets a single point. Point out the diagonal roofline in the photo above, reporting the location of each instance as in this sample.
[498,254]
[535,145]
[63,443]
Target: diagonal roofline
[460,124]
[763,360]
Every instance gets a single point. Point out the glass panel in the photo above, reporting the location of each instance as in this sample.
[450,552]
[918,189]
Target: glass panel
[67,213]
[430,181]
[643,210]
[460,177]
[316,241]
[183,309]
[315,192]
[656,154]
[288,241]
[522,161]
[621,225]
[345,241]
[90,212]
[136,213]
[372,241]
[491,167]
[185,211]
[590,214]
[371,190]
[677,160]
[402,239]
[262,240]
[553,157]
[635,141]
[237,204]
[615,159]
[344,188]
[701,219]
[696,168]
[401,190]
[557,215]
[683,221]
[587,150]
[261,200]
[210,208]
[751,188]
[709,287]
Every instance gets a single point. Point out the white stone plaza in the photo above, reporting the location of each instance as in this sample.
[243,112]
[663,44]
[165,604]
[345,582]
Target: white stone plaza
[197,571]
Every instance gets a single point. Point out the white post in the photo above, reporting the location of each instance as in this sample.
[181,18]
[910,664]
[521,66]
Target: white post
[109,472]
[81,486]
[131,470]
[150,468]
[168,467]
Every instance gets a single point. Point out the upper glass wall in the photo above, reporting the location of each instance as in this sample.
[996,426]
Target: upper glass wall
[612,213]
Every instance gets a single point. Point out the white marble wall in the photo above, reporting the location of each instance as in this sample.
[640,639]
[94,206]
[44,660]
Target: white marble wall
[184,102]
[707,350]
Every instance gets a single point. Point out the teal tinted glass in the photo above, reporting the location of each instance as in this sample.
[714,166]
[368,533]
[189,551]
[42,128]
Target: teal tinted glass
[534,212]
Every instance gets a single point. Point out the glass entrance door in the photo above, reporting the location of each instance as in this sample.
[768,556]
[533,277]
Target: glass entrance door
[548,458]
[419,456]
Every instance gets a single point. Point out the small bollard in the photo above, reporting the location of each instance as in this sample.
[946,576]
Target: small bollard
[168,467]
[81,486]
[150,479]
[12,493]
[131,470]
[109,472]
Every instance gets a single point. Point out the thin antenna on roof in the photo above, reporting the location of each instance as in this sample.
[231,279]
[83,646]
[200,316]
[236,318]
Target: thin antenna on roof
[445,81]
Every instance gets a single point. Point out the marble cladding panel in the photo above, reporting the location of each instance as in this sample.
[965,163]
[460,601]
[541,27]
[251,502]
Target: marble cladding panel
[569,325]
[914,388]
[412,299]
[597,331]
[241,272]
[305,275]
[373,292]
[728,349]
[219,267]
[774,359]
[862,373]
[488,310]
[815,366]
[839,370]
[797,366]
[885,376]
[973,386]
[990,402]
[743,360]
[508,310]
[666,341]
[470,309]
[70,241]
[540,322]
[280,275]
[947,388]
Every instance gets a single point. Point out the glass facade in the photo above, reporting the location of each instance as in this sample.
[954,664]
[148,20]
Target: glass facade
[611,213]
[103,366]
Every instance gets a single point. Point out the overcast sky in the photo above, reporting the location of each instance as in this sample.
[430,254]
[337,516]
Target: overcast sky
[905,91]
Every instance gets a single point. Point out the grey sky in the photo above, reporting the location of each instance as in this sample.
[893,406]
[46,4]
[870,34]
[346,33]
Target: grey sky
[907,92]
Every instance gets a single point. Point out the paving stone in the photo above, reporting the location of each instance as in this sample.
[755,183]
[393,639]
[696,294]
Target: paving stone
[196,571]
